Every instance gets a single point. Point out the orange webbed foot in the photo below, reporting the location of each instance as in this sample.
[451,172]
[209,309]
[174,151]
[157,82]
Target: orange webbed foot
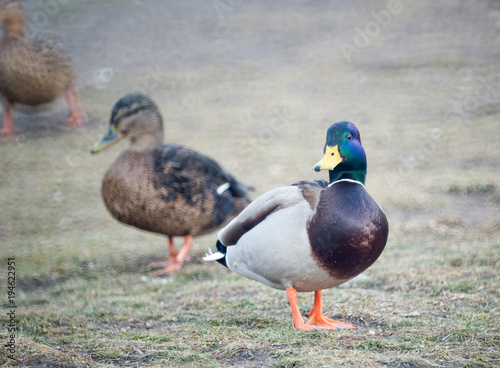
[75,120]
[161,263]
[176,259]
[323,322]
[174,266]
[7,136]
[317,320]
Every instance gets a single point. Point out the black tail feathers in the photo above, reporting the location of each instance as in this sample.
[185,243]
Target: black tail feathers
[221,249]
[239,189]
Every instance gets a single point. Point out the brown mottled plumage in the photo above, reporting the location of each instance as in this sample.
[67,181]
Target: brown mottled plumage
[165,189]
[32,72]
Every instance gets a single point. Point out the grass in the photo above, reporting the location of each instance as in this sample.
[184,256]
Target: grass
[257,92]
[416,307]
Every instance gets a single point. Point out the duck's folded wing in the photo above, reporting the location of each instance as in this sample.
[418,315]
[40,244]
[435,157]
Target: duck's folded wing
[186,163]
[269,203]
[173,158]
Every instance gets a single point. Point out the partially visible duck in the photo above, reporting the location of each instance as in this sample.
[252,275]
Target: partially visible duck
[32,72]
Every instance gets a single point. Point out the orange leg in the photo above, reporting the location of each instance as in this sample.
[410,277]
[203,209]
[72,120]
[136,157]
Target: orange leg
[298,321]
[8,128]
[318,319]
[171,248]
[164,262]
[77,116]
[176,259]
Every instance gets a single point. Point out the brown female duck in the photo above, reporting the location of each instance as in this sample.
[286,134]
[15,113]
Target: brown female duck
[166,189]
[32,72]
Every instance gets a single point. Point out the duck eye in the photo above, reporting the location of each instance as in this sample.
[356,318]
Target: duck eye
[349,136]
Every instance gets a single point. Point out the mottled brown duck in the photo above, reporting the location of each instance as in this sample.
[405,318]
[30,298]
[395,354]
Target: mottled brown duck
[32,72]
[166,189]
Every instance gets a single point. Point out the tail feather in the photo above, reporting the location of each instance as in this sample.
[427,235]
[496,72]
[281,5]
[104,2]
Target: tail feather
[239,188]
[219,256]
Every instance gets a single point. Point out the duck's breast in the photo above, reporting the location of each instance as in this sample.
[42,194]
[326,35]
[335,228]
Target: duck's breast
[127,190]
[349,230]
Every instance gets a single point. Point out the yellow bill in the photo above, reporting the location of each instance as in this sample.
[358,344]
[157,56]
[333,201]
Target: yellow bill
[330,159]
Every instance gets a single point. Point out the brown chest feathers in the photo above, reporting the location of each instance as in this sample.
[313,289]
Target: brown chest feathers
[349,230]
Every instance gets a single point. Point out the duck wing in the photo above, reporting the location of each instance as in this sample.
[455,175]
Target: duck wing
[269,203]
[178,164]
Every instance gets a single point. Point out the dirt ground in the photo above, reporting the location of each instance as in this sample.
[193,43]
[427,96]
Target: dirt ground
[255,84]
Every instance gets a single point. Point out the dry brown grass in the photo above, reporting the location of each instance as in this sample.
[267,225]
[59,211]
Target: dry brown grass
[256,90]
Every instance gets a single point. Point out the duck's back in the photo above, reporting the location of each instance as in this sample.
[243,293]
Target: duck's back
[172,190]
[33,72]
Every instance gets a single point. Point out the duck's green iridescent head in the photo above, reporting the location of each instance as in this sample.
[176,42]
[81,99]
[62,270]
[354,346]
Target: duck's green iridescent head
[344,156]
[134,116]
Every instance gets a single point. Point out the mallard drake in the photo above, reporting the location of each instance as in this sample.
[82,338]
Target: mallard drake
[166,189]
[32,72]
[311,235]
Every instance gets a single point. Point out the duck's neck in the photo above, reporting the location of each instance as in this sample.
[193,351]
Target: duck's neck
[359,175]
[146,143]
[14,24]
[9,32]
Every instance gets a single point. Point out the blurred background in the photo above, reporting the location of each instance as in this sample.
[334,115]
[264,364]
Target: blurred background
[256,85]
